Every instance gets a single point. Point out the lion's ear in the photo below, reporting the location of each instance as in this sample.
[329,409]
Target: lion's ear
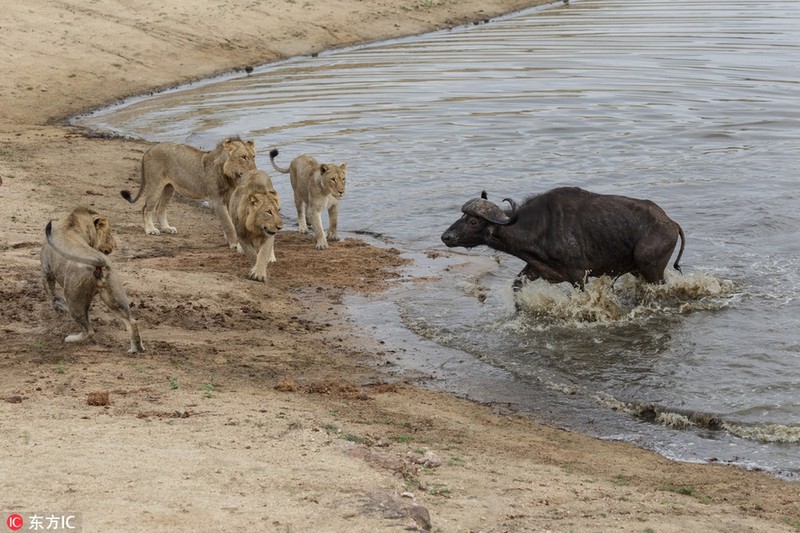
[100,223]
[254,199]
[251,144]
[323,168]
[343,166]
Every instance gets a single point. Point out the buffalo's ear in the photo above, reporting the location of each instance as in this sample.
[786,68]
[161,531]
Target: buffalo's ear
[484,196]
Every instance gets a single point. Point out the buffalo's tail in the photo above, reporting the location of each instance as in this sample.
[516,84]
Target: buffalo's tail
[676,265]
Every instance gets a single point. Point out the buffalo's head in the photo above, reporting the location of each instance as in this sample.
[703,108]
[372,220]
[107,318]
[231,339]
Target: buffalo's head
[476,224]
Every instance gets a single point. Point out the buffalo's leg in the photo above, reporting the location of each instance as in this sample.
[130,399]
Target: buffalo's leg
[529,272]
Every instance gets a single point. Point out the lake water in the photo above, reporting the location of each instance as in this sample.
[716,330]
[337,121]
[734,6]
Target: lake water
[695,105]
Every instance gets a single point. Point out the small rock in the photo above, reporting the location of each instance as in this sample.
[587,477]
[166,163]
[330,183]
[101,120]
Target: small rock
[98,398]
[286,385]
[421,516]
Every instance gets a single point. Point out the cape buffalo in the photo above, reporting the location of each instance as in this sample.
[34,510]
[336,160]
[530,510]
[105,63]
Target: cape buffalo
[569,234]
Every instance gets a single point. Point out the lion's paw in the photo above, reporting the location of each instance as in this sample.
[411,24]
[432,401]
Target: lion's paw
[257,276]
[78,337]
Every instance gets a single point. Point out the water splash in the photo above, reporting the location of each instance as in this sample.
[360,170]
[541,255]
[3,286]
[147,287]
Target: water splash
[675,418]
[774,433]
[606,301]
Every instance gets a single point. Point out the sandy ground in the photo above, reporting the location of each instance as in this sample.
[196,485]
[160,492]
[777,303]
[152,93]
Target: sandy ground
[261,407]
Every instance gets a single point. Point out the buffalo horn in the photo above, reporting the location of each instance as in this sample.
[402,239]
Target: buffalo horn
[512,216]
[483,208]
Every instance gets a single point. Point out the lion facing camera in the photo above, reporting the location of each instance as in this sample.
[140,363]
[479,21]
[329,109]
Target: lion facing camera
[317,187]
[255,209]
[74,256]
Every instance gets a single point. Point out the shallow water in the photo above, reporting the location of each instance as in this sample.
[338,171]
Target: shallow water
[691,104]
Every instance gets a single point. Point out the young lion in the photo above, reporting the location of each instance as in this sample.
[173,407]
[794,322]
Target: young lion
[74,255]
[316,187]
[168,167]
[255,208]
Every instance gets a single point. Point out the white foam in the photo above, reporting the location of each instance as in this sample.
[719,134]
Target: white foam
[605,301]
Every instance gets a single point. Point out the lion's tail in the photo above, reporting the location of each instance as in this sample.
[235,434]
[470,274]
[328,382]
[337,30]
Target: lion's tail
[127,194]
[85,255]
[272,155]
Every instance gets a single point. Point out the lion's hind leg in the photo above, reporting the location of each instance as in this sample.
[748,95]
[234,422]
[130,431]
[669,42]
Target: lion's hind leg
[300,205]
[79,310]
[161,209]
[56,300]
[148,216]
[116,300]
[59,304]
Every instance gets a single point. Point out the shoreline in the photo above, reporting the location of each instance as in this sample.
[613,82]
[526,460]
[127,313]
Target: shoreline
[224,74]
[257,405]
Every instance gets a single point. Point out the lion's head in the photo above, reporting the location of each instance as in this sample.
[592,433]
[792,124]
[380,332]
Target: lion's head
[256,205]
[239,157]
[334,178]
[263,213]
[95,229]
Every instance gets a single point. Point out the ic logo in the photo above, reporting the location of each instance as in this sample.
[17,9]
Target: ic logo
[14,522]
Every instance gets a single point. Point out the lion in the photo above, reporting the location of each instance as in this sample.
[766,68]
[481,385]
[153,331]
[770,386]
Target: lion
[316,187]
[168,167]
[255,209]
[74,256]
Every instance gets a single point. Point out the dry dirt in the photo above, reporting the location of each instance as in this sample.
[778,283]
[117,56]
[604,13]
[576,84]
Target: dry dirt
[261,407]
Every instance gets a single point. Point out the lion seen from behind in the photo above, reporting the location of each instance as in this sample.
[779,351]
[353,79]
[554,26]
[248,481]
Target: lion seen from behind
[255,209]
[316,187]
[74,257]
[168,167]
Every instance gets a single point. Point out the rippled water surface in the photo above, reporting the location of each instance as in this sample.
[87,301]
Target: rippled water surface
[691,104]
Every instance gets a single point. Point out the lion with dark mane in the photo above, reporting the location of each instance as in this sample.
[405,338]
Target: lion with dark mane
[168,167]
[74,256]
